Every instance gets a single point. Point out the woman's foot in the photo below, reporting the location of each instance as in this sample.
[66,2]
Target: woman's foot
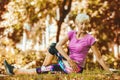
[8,68]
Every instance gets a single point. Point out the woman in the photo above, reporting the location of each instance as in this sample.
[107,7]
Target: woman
[79,44]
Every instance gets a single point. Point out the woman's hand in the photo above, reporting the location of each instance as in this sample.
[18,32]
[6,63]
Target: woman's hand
[73,64]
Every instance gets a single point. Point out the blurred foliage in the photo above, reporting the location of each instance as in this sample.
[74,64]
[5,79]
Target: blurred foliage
[32,10]
[2,7]
[104,20]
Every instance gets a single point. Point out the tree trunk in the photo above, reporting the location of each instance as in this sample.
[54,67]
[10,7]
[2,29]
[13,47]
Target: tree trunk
[64,10]
[2,8]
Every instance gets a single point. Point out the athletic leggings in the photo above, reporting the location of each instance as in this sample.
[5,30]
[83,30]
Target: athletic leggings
[61,66]
[57,67]
[51,68]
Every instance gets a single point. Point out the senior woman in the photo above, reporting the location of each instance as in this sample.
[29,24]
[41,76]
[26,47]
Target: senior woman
[79,43]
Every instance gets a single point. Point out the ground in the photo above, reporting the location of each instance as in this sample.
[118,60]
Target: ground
[86,75]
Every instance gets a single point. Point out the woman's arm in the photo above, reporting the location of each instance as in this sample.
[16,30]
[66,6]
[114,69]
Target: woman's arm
[99,57]
[64,54]
[59,47]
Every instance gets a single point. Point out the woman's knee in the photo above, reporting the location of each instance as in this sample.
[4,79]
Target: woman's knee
[52,50]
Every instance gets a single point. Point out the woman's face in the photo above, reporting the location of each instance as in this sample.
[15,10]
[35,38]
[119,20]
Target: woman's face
[82,27]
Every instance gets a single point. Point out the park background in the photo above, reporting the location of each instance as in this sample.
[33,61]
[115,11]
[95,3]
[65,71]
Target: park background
[27,27]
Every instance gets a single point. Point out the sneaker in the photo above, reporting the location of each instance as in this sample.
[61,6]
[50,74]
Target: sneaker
[8,67]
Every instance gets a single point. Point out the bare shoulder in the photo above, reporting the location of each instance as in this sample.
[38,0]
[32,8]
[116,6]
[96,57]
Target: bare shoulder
[63,40]
[94,46]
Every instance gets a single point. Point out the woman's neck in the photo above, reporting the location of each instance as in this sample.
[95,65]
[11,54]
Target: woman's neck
[80,34]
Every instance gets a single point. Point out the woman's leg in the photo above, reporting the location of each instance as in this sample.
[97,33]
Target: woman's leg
[24,71]
[11,70]
[43,69]
[36,70]
[48,59]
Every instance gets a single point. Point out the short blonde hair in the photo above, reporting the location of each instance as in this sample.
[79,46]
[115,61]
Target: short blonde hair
[80,18]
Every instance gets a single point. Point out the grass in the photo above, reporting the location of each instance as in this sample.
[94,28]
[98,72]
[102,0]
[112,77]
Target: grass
[86,75]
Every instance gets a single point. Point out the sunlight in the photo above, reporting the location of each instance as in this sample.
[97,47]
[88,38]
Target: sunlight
[116,50]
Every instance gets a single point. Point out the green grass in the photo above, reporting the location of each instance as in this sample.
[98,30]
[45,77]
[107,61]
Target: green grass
[86,75]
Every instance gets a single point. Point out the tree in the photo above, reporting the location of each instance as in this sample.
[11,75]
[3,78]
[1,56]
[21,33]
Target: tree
[64,10]
[3,4]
